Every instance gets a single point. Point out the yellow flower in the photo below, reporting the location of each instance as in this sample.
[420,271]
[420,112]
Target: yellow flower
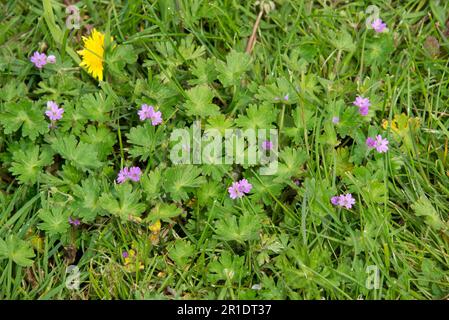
[93,53]
[155,227]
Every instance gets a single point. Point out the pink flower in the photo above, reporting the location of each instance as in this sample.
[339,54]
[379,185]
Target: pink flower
[234,191]
[123,175]
[335,200]
[147,112]
[156,118]
[343,200]
[335,120]
[39,59]
[51,59]
[364,111]
[74,222]
[363,104]
[132,173]
[53,112]
[267,145]
[378,25]
[379,143]
[370,142]
[239,189]
[346,200]
[245,186]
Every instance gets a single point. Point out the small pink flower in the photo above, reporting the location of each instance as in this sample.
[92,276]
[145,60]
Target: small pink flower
[364,111]
[267,145]
[39,59]
[346,200]
[335,200]
[378,25]
[123,175]
[147,112]
[53,112]
[363,104]
[156,118]
[335,120]
[74,222]
[134,173]
[245,186]
[343,200]
[234,191]
[239,189]
[370,142]
[286,97]
[379,143]
[51,59]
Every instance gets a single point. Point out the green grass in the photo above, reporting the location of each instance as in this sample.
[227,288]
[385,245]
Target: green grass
[287,238]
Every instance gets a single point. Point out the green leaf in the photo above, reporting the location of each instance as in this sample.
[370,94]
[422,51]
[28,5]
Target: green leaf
[26,115]
[245,229]
[199,102]
[204,71]
[123,202]
[55,220]
[229,268]
[119,57]
[182,179]
[87,196]
[101,138]
[231,72]
[378,50]
[12,90]
[144,140]
[151,184]
[17,250]
[258,117]
[292,161]
[96,107]
[424,208]
[182,252]
[28,164]
[343,41]
[81,155]
[163,211]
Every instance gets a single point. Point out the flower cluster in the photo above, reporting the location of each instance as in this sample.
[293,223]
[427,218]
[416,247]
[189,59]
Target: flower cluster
[239,189]
[148,112]
[343,200]
[40,59]
[379,143]
[132,173]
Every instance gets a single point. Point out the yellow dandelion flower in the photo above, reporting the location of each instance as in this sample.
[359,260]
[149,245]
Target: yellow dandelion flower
[93,53]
